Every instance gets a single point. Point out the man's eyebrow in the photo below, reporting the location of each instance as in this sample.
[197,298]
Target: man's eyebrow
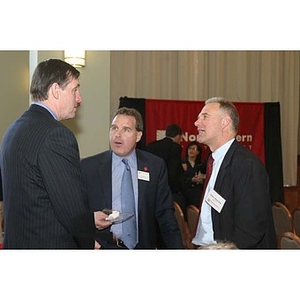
[76,87]
[127,127]
[204,113]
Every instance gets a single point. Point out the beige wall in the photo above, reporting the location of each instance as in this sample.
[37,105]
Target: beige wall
[91,124]
[14,87]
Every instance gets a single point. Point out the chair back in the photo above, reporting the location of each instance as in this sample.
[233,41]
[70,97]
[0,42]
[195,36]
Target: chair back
[282,219]
[296,221]
[289,240]
[192,213]
[182,224]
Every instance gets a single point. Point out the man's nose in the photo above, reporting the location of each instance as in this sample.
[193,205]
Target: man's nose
[79,98]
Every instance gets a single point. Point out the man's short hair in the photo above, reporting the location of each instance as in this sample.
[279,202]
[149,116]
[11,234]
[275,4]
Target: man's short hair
[133,113]
[229,108]
[172,130]
[48,72]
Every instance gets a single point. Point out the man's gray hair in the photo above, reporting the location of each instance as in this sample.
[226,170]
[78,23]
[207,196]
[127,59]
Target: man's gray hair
[228,108]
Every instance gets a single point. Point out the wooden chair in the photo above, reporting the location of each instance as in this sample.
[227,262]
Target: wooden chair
[296,221]
[289,240]
[282,219]
[183,226]
[192,213]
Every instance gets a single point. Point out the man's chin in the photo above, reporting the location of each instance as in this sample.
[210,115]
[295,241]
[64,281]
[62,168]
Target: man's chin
[118,152]
[71,115]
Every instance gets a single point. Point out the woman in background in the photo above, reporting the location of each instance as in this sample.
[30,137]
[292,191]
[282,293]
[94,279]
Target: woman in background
[194,171]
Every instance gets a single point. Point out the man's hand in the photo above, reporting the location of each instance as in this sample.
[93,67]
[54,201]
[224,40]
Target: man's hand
[100,221]
[198,178]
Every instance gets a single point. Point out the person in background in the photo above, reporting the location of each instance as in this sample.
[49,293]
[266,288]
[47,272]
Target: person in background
[220,246]
[236,206]
[169,150]
[194,173]
[45,200]
[151,195]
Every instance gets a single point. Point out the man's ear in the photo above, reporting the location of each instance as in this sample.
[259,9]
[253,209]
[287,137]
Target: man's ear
[226,122]
[139,136]
[54,90]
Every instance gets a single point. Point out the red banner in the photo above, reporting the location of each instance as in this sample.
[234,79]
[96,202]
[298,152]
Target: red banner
[160,113]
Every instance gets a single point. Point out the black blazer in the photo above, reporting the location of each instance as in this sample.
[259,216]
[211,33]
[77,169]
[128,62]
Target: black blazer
[170,152]
[46,204]
[155,204]
[246,218]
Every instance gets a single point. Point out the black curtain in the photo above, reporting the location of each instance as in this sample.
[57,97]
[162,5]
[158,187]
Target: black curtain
[139,105]
[273,151]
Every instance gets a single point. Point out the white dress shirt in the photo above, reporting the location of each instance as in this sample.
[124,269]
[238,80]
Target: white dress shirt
[205,234]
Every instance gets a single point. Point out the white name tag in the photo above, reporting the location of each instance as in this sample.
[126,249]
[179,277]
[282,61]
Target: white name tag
[215,200]
[144,175]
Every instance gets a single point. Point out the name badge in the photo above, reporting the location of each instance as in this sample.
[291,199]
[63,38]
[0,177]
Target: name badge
[144,175]
[215,200]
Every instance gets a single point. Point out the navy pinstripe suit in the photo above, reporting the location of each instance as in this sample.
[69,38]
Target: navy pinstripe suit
[46,204]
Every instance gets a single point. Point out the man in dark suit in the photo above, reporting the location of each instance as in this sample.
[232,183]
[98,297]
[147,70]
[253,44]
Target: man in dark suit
[45,200]
[169,150]
[152,196]
[236,205]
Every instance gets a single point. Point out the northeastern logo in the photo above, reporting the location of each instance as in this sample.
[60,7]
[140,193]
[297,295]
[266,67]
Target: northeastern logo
[186,137]
[160,134]
[245,139]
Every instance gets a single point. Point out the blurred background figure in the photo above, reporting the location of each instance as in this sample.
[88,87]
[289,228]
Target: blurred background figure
[220,246]
[170,150]
[194,173]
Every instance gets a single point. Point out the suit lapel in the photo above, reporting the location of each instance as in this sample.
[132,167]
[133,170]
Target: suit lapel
[225,164]
[142,184]
[221,175]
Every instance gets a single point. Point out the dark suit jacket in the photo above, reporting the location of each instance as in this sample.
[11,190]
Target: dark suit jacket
[155,204]
[246,218]
[46,204]
[170,152]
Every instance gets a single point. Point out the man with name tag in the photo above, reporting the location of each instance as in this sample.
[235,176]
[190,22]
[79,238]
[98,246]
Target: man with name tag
[236,205]
[134,183]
